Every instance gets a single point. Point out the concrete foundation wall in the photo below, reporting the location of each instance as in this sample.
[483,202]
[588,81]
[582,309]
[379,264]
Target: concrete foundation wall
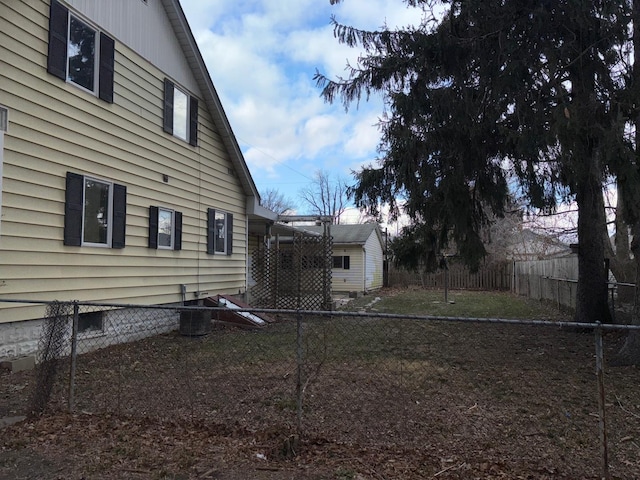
[18,339]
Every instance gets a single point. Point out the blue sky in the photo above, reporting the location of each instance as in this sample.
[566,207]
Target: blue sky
[262,56]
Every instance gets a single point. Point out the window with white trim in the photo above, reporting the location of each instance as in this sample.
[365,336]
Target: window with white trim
[95,212]
[220,243]
[79,53]
[219,232]
[165,228]
[180,113]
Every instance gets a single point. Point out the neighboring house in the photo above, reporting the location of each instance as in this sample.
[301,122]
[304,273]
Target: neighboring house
[529,245]
[120,178]
[358,257]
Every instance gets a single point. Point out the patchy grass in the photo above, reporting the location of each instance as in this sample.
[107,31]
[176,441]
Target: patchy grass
[459,304]
[383,399]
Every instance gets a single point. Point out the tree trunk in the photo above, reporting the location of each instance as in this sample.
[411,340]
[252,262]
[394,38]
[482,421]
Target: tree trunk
[620,262]
[592,301]
[629,354]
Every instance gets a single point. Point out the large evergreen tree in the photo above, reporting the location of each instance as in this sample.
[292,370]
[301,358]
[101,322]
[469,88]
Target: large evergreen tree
[490,93]
[627,171]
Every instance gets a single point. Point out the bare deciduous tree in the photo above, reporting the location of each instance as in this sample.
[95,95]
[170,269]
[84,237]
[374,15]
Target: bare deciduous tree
[277,202]
[326,195]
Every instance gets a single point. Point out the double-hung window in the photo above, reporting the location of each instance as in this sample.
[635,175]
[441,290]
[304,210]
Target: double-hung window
[341,262]
[219,232]
[95,212]
[180,113]
[97,215]
[165,228]
[79,53]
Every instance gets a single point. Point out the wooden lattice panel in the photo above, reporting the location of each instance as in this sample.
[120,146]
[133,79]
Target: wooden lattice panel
[293,274]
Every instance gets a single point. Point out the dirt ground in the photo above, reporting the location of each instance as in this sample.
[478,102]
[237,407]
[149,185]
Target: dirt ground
[406,401]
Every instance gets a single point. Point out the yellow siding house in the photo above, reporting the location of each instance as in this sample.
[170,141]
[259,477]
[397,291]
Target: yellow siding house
[120,178]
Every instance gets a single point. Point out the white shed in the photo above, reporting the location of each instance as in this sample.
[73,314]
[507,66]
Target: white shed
[358,257]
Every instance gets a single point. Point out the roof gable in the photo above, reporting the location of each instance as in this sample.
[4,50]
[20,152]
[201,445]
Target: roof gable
[158,31]
[349,234]
[196,62]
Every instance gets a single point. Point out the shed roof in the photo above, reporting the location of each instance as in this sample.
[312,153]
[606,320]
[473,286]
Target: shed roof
[352,234]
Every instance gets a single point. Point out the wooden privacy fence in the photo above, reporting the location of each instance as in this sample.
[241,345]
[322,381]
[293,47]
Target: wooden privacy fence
[458,277]
[553,280]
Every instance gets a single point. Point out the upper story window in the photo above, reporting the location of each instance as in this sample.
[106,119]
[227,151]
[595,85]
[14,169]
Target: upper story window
[165,228]
[180,113]
[219,232]
[79,53]
[95,212]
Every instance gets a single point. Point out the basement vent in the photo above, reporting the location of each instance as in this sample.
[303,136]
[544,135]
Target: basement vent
[4,119]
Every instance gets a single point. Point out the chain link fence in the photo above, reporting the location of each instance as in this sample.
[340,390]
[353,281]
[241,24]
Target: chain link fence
[455,391]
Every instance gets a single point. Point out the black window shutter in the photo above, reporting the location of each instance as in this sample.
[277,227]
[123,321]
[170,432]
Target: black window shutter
[177,240]
[119,216]
[105,78]
[58,25]
[211,230]
[73,209]
[167,124]
[153,227]
[345,264]
[193,121]
[229,233]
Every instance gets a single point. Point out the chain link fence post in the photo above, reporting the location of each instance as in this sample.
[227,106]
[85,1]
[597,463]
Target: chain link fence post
[299,374]
[74,356]
[601,403]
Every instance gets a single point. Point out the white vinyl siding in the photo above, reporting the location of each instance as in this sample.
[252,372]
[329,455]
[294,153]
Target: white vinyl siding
[365,266]
[348,280]
[56,128]
[374,262]
[145,29]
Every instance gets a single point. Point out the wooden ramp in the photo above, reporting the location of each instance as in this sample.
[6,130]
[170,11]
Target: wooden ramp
[241,319]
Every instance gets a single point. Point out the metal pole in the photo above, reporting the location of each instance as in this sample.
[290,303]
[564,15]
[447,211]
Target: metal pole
[299,374]
[74,354]
[601,404]
[446,283]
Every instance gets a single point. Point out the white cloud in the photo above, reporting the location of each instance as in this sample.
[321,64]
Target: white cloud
[262,56]
[376,14]
[364,137]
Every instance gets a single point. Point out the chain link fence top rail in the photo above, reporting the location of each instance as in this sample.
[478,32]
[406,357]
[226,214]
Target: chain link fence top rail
[433,387]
